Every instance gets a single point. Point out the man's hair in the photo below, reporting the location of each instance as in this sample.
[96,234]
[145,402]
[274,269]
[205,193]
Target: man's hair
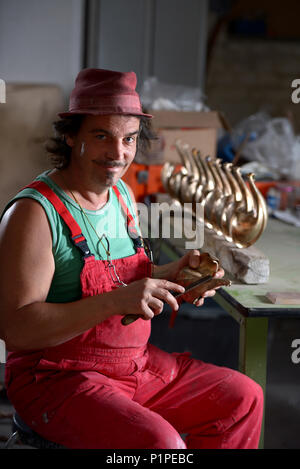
[60,152]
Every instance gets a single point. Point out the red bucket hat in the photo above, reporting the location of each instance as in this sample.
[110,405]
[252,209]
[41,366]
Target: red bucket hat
[102,92]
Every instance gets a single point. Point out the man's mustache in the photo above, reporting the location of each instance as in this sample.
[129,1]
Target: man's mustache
[111,164]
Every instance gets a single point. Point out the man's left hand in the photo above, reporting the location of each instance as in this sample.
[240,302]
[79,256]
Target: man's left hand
[190,259]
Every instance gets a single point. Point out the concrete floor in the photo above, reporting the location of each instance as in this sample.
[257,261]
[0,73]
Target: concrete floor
[212,335]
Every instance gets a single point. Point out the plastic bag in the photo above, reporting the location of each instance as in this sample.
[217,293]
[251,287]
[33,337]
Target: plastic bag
[295,168]
[269,141]
[162,96]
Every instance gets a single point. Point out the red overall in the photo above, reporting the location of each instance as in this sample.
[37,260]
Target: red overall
[108,388]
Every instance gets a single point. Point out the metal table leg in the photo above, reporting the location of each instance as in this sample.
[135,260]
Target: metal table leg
[253,354]
[253,347]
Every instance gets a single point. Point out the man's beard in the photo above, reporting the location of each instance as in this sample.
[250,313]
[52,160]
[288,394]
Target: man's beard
[109,178]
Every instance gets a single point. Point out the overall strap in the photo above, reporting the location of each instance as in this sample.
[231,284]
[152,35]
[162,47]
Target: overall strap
[75,230]
[131,226]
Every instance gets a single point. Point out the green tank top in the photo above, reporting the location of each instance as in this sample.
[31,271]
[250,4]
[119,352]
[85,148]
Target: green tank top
[109,220]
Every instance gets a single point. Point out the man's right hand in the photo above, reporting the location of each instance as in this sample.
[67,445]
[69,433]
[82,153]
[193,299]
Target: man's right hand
[146,297]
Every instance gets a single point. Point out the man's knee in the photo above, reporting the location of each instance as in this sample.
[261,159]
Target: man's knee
[163,436]
[169,440]
[247,395]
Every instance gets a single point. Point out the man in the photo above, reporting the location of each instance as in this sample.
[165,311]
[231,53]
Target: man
[75,373]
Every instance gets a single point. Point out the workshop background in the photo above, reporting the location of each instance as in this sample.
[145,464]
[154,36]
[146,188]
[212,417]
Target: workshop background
[240,56]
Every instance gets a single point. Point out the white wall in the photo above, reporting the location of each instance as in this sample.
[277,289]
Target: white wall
[41,41]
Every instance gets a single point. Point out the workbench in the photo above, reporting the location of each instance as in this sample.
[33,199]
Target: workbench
[248,304]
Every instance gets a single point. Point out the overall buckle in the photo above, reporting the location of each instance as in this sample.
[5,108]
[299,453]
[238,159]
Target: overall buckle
[80,242]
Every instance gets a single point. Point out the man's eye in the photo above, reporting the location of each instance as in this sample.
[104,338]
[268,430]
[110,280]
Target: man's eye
[100,136]
[130,139]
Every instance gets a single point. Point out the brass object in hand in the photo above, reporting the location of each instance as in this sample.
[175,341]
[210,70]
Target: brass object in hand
[207,268]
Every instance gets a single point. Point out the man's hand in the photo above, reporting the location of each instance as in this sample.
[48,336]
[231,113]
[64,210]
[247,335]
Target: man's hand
[146,297]
[192,260]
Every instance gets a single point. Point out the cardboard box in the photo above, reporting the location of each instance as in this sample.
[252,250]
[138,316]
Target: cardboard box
[198,129]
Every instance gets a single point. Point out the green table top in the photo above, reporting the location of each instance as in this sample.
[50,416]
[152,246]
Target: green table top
[281,243]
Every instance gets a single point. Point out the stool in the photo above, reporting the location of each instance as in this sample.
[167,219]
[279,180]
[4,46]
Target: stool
[21,432]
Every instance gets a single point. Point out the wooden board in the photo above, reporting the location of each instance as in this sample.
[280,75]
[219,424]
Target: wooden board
[284,298]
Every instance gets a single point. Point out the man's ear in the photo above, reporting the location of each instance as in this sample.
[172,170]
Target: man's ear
[69,141]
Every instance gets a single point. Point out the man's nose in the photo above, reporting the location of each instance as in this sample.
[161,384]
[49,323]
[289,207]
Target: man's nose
[116,151]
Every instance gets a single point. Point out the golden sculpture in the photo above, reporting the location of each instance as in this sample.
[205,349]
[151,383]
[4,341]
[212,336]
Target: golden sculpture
[233,208]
